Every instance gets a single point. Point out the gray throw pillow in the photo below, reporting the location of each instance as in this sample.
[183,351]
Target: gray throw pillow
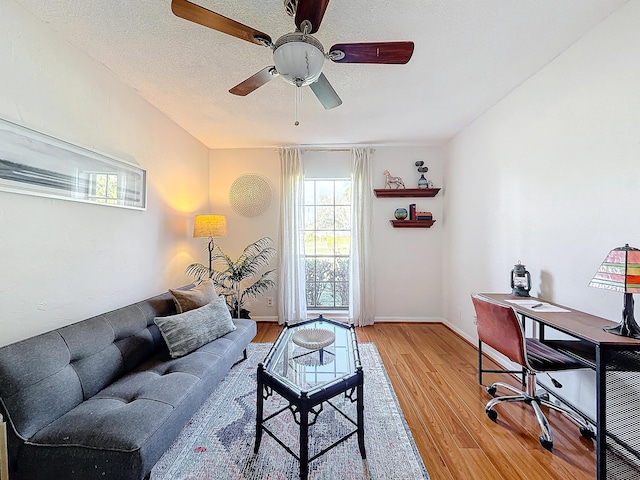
[190,330]
[199,296]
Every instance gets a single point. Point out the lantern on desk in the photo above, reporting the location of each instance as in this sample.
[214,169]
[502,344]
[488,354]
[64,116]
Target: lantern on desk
[620,272]
[520,281]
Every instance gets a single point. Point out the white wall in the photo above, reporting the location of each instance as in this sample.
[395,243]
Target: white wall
[550,176]
[407,262]
[225,167]
[63,261]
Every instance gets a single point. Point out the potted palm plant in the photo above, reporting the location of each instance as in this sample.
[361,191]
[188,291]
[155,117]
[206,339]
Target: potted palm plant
[231,275]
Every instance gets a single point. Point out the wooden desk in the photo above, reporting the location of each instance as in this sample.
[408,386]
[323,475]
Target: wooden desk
[616,361]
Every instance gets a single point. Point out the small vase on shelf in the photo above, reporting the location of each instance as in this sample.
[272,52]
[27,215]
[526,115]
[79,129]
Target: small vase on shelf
[400,213]
[423,183]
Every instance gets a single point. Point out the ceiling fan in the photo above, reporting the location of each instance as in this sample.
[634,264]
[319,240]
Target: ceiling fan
[298,56]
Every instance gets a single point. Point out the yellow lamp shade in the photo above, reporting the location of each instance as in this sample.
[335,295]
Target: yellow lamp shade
[210,226]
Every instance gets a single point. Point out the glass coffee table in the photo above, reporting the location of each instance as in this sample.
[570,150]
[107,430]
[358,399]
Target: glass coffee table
[310,363]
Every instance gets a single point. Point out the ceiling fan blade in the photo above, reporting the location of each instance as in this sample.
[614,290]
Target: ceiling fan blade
[311,10]
[255,81]
[375,52]
[325,93]
[197,14]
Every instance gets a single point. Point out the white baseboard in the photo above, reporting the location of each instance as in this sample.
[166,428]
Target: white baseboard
[468,338]
[265,318]
[410,320]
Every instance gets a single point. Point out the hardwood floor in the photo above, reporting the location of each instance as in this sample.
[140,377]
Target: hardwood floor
[434,374]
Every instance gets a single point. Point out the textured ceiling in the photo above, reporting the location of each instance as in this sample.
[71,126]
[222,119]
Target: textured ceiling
[468,55]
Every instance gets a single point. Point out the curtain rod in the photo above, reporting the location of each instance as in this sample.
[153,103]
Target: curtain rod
[329,148]
[324,149]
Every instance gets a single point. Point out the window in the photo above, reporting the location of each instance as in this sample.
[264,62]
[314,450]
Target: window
[327,242]
[103,187]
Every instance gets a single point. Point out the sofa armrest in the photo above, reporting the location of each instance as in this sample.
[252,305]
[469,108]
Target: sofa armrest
[4,456]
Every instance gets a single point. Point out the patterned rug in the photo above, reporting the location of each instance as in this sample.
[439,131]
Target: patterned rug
[217,444]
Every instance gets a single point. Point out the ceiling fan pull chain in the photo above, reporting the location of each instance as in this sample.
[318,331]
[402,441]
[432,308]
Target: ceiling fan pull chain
[296,99]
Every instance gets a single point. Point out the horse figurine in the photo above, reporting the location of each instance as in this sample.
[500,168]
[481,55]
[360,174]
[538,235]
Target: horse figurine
[389,180]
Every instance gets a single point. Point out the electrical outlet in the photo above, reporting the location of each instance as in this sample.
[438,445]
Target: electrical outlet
[269,301]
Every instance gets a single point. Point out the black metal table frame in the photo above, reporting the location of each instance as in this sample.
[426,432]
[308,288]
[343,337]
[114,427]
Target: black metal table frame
[304,404]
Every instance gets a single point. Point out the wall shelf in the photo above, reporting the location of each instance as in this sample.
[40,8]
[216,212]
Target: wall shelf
[412,223]
[405,192]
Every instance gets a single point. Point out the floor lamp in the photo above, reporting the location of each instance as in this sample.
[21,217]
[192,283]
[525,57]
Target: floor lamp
[211,227]
[620,271]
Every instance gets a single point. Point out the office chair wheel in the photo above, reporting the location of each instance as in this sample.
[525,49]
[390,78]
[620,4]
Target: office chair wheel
[587,433]
[493,415]
[491,390]
[546,443]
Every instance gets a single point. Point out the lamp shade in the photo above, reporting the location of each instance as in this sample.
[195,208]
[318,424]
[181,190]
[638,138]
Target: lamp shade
[210,226]
[620,271]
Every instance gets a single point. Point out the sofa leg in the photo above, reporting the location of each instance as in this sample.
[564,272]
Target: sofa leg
[244,357]
[4,456]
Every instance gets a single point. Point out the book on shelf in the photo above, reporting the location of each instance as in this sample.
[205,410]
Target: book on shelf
[412,211]
[424,216]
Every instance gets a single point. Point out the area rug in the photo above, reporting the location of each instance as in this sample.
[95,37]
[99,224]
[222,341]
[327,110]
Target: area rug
[218,442]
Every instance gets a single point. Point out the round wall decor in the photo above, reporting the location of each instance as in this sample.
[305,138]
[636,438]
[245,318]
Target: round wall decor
[250,195]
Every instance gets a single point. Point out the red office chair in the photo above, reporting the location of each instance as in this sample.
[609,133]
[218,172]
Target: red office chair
[499,327]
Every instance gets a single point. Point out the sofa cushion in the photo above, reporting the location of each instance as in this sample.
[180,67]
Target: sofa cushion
[105,347]
[36,369]
[108,424]
[197,297]
[190,330]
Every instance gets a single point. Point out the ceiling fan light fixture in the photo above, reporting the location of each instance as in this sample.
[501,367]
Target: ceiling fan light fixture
[298,58]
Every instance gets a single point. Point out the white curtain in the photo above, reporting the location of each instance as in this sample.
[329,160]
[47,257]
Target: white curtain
[361,293]
[292,305]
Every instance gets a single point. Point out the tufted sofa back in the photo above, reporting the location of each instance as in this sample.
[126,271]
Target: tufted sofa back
[43,377]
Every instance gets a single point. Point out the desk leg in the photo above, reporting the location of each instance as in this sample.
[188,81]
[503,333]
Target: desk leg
[304,442]
[360,408]
[259,408]
[601,415]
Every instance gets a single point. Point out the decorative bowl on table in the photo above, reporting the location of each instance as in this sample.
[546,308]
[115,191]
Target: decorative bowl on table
[313,338]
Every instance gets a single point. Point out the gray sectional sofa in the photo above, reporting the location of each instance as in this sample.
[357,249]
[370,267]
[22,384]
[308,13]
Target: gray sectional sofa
[103,398]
